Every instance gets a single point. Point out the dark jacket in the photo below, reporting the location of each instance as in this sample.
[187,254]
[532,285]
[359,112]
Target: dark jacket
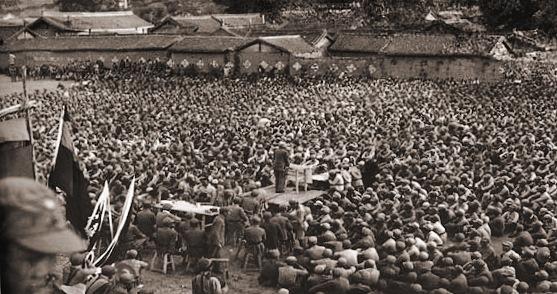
[145,220]
[281,162]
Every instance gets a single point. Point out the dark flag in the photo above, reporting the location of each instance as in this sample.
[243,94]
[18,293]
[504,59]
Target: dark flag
[16,150]
[67,175]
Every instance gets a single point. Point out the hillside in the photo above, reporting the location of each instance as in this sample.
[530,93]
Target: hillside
[26,8]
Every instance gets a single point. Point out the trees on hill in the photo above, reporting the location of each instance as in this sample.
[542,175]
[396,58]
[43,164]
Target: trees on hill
[241,6]
[521,13]
[403,11]
[77,5]
[547,15]
[509,12]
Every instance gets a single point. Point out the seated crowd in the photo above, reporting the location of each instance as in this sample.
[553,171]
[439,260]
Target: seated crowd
[434,186]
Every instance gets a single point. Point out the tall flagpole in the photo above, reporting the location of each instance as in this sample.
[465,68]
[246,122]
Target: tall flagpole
[58,137]
[29,122]
[57,144]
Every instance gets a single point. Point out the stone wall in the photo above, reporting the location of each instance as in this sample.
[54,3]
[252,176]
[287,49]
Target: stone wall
[203,62]
[258,57]
[404,67]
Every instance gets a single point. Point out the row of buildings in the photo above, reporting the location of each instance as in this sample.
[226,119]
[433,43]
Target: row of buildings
[63,24]
[246,44]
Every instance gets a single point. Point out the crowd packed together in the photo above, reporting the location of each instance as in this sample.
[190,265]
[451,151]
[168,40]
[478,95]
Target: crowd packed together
[434,186]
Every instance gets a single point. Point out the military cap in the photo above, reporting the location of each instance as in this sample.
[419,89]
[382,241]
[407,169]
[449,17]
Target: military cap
[204,264]
[291,260]
[33,218]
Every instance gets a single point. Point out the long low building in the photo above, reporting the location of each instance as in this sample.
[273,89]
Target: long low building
[428,56]
[435,56]
[53,23]
[206,52]
[61,51]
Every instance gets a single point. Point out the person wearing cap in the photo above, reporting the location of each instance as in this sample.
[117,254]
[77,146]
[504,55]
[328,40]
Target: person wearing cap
[124,283]
[281,162]
[215,238]
[235,222]
[350,255]
[196,241]
[272,232]
[79,270]
[165,213]
[255,238]
[299,213]
[336,181]
[292,275]
[103,283]
[146,220]
[318,275]
[134,264]
[338,284]
[356,173]
[268,276]
[251,204]
[346,174]
[166,237]
[205,188]
[314,250]
[134,237]
[205,282]
[509,254]
[285,224]
[34,231]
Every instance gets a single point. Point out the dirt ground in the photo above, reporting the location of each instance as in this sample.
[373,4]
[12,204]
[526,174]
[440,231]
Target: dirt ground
[178,282]
[241,282]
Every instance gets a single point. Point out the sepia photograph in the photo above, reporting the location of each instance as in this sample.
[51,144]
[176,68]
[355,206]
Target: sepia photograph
[278,146]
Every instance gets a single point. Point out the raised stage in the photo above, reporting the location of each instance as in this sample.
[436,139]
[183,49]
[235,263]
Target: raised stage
[274,198]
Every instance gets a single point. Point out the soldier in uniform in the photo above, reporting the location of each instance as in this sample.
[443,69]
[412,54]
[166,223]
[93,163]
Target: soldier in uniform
[146,220]
[280,166]
[235,222]
[215,239]
[166,237]
[206,281]
[34,230]
[12,68]
[255,236]
[196,241]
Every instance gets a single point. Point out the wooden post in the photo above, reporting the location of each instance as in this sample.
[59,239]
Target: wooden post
[297,180]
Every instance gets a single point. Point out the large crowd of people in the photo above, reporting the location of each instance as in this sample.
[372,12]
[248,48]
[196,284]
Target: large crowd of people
[434,186]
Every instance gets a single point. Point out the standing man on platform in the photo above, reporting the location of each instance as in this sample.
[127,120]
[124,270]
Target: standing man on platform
[281,164]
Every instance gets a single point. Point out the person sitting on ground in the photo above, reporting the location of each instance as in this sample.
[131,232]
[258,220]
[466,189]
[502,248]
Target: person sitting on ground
[205,281]
[134,264]
[79,270]
[268,277]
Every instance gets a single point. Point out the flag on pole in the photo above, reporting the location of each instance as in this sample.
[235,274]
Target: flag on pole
[67,175]
[16,150]
[123,224]
[95,221]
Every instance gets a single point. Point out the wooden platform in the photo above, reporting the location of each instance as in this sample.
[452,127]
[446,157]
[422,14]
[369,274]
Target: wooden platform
[282,198]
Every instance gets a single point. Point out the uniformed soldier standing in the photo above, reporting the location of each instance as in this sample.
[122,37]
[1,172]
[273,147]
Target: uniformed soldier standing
[281,164]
